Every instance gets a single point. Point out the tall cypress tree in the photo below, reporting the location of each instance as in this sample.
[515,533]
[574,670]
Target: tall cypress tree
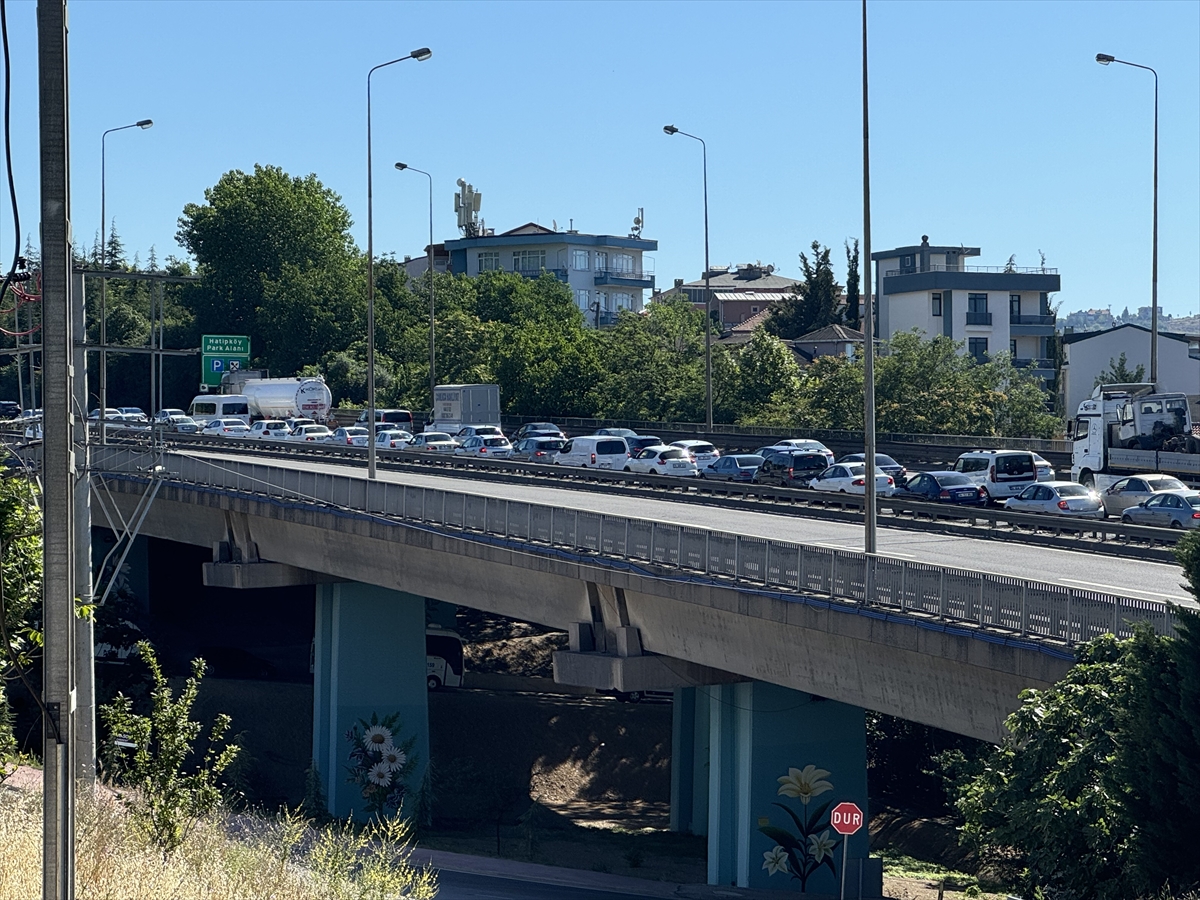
[812,304]
[852,282]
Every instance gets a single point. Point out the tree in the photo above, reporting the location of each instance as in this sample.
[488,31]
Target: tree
[1094,794]
[255,230]
[810,305]
[20,593]
[853,317]
[768,375]
[1118,372]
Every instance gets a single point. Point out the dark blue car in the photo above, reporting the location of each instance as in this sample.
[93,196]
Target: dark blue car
[942,487]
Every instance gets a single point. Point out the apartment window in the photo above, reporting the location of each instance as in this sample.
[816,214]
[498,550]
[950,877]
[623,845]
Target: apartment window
[1012,349]
[1014,304]
[579,259]
[906,262]
[977,303]
[623,262]
[532,261]
[601,260]
[978,348]
[754,310]
[602,299]
[582,298]
[489,260]
[937,303]
[622,300]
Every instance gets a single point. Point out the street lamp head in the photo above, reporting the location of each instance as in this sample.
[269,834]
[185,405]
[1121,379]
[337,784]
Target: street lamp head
[144,123]
[401,166]
[670,129]
[1104,58]
[422,54]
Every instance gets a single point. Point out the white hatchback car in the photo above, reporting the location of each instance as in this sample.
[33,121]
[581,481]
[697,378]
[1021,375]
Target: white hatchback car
[663,460]
[851,478]
[704,453]
[393,439]
[310,433]
[269,429]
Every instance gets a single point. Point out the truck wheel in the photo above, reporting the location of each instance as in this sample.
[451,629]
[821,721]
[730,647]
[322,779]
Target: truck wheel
[433,682]
[1087,479]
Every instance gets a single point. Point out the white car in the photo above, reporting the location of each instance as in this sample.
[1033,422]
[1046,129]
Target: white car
[226,428]
[485,447]
[310,433]
[663,460]
[1045,471]
[851,478]
[270,429]
[436,441]
[296,421]
[704,453]
[393,439]
[351,436]
[165,415]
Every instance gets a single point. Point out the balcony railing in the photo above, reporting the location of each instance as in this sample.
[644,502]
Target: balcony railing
[993,270]
[1037,362]
[1050,319]
[560,274]
[979,318]
[626,273]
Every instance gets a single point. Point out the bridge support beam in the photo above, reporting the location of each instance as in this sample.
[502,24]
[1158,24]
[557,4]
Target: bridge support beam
[778,761]
[369,661]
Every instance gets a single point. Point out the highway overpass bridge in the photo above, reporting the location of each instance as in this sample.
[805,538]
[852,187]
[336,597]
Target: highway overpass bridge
[775,634]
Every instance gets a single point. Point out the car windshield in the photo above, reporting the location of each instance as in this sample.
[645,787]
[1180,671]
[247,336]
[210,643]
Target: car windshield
[1194,500]
[701,448]
[674,454]
[432,436]
[808,461]
[748,462]
[549,444]
[495,442]
[1072,490]
[486,429]
[856,469]
[1165,483]
[953,479]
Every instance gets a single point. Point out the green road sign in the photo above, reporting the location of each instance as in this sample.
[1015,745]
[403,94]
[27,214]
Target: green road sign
[220,354]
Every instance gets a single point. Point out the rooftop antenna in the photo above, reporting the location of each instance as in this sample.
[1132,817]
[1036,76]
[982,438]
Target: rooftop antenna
[466,207]
[554,224]
[638,221]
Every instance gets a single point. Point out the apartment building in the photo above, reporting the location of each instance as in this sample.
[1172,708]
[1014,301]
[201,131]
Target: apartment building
[606,273]
[738,292]
[990,308]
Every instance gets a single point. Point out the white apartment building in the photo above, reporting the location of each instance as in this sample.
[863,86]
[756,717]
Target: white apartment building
[990,308]
[605,273]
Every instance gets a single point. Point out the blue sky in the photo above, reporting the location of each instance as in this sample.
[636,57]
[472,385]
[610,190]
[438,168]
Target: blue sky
[992,125]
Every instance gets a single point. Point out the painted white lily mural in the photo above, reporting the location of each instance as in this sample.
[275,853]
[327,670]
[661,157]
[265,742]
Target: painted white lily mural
[813,844]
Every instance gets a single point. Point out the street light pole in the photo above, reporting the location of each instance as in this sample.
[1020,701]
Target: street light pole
[1104,59]
[708,404]
[143,124]
[432,320]
[420,55]
[870,506]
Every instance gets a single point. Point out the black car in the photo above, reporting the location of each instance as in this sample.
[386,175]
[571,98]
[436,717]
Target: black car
[538,429]
[942,487]
[791,468]
[9,409]
[638,442]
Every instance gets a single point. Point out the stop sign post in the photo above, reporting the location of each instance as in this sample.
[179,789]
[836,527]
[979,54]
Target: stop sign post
[846,820]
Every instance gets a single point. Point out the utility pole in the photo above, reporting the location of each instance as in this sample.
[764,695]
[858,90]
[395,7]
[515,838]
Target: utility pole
[870,505]
[58,462]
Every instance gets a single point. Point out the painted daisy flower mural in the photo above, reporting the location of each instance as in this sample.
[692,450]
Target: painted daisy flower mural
[380,763]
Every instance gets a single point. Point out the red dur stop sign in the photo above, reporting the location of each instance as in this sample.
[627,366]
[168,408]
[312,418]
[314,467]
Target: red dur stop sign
[846,818]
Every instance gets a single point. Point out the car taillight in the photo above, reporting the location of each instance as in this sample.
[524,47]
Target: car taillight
[790,471]
[944,495]
[1196,515]
[982,493]
[860,482]
[483,449]
[593,457]
[538,453]
[1063,504]
[890,480]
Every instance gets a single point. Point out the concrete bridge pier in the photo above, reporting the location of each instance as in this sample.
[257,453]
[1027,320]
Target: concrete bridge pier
[758,768]
[369,664]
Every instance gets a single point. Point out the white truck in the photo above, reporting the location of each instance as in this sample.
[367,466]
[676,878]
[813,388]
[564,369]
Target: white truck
[458,405]
[266,398]
[1126,429]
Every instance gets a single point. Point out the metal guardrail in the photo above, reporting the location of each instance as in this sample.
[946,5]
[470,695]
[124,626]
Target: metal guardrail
[998,604]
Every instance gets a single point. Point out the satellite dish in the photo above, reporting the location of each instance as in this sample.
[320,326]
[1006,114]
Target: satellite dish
[637,220]
[554,223]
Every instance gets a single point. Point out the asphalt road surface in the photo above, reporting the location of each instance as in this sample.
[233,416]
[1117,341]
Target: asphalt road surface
[1078,569]
[461,886]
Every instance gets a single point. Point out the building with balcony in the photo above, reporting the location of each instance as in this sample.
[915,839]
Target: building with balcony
[605,273]
[739,293]
[416,266]
[989,308]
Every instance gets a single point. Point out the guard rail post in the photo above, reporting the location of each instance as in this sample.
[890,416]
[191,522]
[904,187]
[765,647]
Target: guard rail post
[982,594]
[801,568]
[833,574]
[737,558]
[941,593]
[1069,629]
[1024,607]
[903,586]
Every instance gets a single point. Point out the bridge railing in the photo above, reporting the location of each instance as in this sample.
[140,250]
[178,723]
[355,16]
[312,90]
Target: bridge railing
[999,605]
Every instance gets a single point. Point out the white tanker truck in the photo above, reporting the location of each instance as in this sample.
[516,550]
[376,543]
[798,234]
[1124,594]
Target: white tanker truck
[248,397]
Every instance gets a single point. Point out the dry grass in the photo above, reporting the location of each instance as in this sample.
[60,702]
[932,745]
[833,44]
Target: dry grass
[222,857]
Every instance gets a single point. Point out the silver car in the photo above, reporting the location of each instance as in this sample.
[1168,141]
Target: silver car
[1058,498]
[1133,490]
[437,441]
[485,447]
[1166,509]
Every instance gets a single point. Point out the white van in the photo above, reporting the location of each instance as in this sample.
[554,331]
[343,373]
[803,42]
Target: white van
[1001,473]
[596,451]
[207,407]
